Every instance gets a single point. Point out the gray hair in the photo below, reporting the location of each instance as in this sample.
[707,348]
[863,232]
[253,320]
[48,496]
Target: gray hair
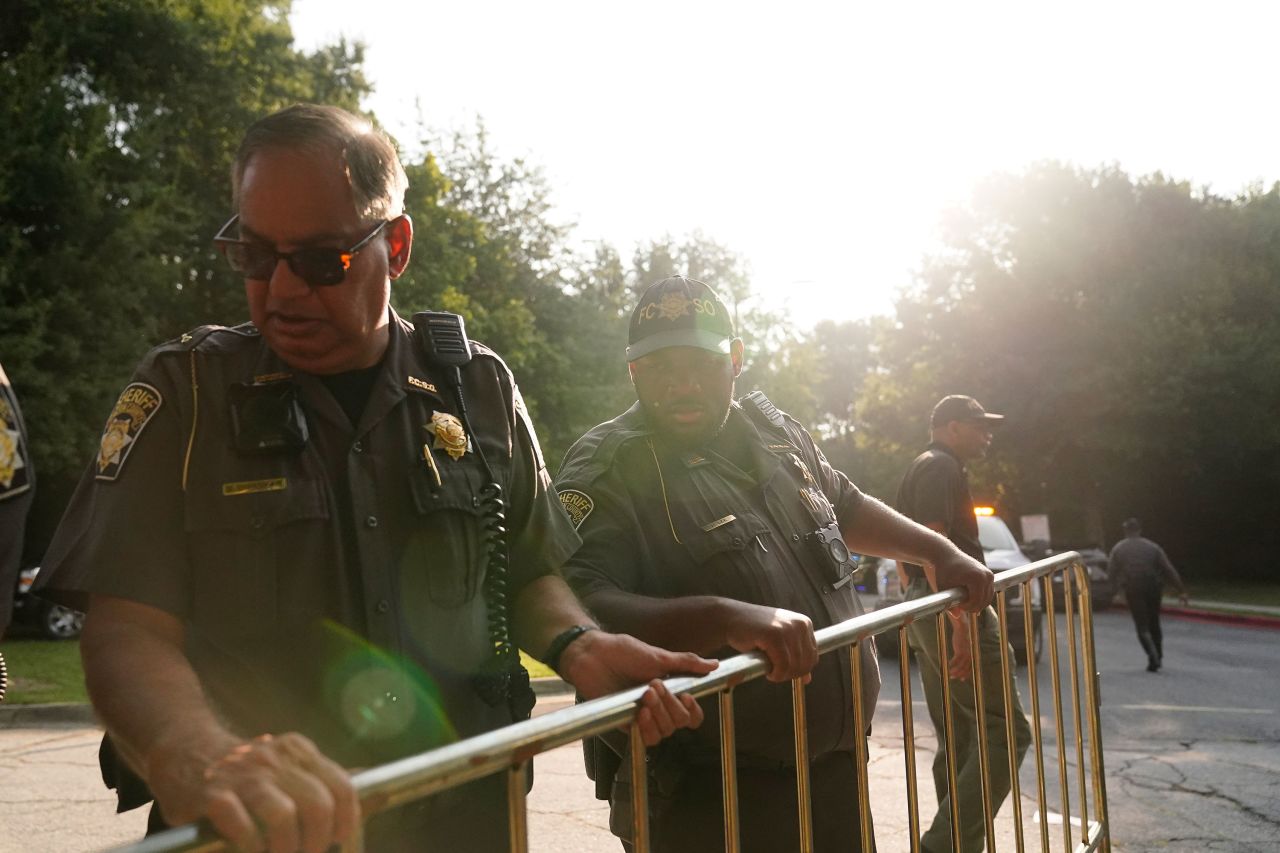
[377,179]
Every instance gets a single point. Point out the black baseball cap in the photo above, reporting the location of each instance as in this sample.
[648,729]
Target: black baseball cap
[679,312]
[958,407]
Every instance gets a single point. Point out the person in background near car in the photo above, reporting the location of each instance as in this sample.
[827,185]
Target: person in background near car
[17,488]
[280,537]
[935,492]
[714,526]
[1140,567]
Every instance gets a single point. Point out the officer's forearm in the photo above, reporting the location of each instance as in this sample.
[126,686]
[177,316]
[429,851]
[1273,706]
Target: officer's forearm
[876,529]
[695,623]
[542,610]
[143,687]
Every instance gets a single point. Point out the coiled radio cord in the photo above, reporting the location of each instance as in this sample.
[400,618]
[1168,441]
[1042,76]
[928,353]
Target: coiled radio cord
[503,677]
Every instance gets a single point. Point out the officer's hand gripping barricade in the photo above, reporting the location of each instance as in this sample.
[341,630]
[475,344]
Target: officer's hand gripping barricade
[444,339]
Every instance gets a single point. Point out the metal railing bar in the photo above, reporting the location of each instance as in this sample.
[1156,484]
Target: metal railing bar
[909,740]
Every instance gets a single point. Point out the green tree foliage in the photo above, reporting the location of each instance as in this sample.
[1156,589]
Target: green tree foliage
[1125,327]
[118,119]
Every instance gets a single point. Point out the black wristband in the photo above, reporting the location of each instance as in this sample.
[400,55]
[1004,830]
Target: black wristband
[561,642]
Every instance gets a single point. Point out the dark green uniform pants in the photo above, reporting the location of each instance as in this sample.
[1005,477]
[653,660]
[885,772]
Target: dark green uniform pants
[923,637]
[691,818]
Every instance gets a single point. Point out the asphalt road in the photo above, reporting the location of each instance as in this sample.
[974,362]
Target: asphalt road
[1192,758]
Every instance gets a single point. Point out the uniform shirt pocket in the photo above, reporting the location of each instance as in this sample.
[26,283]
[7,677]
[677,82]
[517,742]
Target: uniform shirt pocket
[236,543]
[728,554]
[445,553]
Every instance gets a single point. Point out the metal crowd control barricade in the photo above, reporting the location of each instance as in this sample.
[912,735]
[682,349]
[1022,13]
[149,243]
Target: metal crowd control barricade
[1083,812]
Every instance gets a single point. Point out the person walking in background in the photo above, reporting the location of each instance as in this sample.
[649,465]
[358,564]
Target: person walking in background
[1140,567]
[935,492]
[17,488]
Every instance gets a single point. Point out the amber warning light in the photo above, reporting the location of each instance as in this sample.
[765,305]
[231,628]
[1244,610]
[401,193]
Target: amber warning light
[984,510]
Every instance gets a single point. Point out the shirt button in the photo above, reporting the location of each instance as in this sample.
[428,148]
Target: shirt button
[257,522]
[371,521]
[795,537]
[737,541]
[384,606]
[358,447]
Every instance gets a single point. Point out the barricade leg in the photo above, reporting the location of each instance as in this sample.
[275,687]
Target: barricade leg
[639,793]
[949,733]
[1008,687]
[1059,728]
[517,809]
[1037,737]
[860,738]
[909,740]
[729,772]
[800,725]
[980,718]
[1082,592]
[1092,702]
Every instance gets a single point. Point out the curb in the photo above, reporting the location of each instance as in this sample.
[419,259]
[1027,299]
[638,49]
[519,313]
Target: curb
[551,686]
[1249,620]
[44,716]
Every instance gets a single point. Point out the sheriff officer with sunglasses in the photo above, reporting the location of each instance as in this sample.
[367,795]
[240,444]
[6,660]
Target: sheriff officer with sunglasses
[281,540]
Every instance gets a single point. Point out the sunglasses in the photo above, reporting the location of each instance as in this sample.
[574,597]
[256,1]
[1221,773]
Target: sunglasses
[318,267]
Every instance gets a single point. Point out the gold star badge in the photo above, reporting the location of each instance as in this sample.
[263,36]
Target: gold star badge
[449,434]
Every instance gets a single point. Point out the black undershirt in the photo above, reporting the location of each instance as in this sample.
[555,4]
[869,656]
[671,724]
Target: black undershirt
[352,389]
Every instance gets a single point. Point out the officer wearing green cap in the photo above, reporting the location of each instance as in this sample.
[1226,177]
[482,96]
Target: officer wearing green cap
[717,526]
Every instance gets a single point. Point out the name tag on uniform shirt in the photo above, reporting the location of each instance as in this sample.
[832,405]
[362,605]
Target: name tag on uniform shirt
[251,487]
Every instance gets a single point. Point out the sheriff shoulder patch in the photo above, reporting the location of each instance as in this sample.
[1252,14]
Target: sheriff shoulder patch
[577,504]
[138,403]
[15,478]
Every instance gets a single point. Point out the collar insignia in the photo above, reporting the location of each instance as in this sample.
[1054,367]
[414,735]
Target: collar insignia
[804,470]
[449,434]
[419,383]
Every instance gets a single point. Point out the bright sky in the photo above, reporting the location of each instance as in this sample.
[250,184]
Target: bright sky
[820,140]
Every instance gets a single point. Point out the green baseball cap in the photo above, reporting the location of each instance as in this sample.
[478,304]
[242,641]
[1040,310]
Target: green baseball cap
[679,312]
